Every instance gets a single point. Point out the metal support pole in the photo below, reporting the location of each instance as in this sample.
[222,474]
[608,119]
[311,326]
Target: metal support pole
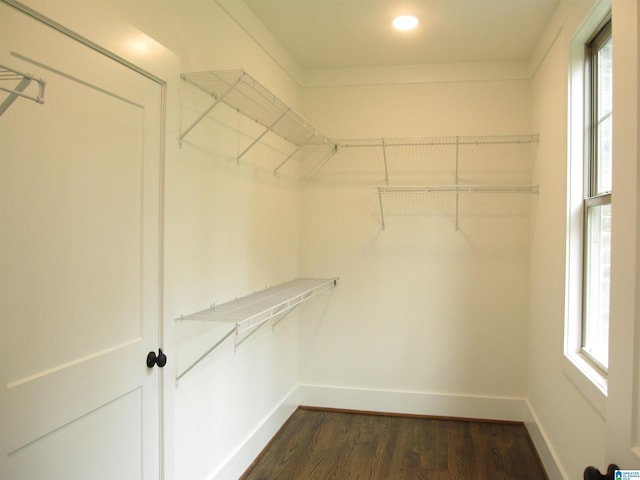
[193,364]
[381,209]
[325,158]
[206,112]
[384,155]
[275,172]
[269,128]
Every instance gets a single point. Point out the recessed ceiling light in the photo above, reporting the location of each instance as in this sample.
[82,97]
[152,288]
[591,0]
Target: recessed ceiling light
[405,22]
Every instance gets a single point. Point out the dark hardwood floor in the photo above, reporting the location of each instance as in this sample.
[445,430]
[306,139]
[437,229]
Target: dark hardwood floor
[333,445]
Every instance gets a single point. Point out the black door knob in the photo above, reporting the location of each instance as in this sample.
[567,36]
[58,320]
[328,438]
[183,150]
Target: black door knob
[160,359]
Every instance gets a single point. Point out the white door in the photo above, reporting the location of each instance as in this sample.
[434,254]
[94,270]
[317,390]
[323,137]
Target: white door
[80,247]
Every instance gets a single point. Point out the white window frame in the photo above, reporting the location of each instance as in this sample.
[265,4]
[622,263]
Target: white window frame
[596,196]
[583,373]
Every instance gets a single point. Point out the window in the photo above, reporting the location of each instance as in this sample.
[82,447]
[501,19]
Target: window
[597,199]
[589,194]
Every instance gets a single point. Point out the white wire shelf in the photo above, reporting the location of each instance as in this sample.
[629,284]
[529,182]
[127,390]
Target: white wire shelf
[244,315]
[434,141]
[461,198]
[451,144]
[243,93]
[458,189]
[23,81]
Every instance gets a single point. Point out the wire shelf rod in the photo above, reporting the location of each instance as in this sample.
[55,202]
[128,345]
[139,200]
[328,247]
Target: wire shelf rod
[532,189]
[436,141]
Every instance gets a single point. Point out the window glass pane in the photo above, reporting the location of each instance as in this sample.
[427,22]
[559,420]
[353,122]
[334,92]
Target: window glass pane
[603,119]
[604,153]
[605,95]
[597,280]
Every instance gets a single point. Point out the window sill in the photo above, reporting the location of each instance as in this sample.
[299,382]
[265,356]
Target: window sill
[589,381]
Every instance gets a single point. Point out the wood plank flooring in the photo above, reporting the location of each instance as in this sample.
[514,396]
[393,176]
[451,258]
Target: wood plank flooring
[334,445]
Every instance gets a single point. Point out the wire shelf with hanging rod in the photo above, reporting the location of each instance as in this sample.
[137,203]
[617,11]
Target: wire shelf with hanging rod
[424,146]
[455,199]
[243,316]
[465,194]
[243,93]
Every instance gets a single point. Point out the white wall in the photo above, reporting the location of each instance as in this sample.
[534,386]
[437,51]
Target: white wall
[421,307]
[580,426]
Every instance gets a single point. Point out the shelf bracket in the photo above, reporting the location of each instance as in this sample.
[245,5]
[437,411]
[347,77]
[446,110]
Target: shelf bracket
[381,208]
[268,129]
[24,79]
[384,156]
[201,357]
[325,158]
[208,110]
[275,172]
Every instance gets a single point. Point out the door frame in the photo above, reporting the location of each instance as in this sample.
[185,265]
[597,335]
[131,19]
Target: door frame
[99,30]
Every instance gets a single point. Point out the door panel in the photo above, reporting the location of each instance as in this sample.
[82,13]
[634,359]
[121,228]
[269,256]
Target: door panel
[112,455]
[75,203]
[79,262]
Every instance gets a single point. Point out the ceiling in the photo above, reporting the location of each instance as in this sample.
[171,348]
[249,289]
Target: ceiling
[358,33]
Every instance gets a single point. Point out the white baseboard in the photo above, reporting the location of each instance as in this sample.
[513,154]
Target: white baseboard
[544,448]
[387,401]
[244,455]
[413,403]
